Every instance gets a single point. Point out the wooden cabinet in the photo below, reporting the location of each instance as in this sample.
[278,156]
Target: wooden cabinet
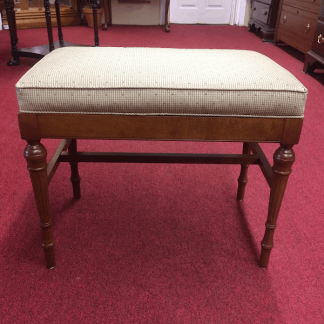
[263,18]
[315,57]
[296,23]
[31,13]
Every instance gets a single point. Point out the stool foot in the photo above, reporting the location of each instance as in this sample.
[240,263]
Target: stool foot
[75,177]
[284,158]
[242,180]
[35,154]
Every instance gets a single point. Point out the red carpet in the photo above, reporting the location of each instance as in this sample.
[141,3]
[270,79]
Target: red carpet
[161,243]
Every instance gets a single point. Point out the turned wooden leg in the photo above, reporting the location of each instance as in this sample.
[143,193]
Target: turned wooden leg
[49,25]
[166,23]
[105,7]
[13,32]
[58,20]
[109,13]
[75,178]
[242,180]
[35,154]
[96,23]
[283,158]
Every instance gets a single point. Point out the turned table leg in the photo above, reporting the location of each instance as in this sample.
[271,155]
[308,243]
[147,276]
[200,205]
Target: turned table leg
[35,154]
[13,32]
[107,11]
[283,158]
[166,23]
[96,23]
[75,178]
[58,19]
[242,180]
[49,24]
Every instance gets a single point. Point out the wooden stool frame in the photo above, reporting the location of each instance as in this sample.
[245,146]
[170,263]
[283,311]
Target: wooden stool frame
[70,127]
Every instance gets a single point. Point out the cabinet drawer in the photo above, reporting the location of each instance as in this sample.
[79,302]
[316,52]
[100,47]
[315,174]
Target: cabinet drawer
[318,48]
[261,12]
[296,27]
[309,5]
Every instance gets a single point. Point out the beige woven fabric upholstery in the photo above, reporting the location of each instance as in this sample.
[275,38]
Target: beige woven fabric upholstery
[160,81]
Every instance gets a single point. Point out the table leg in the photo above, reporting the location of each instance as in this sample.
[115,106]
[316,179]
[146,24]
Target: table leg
[95,21]
[13,31]
[49,24]
[105,8]
[167,24]
[58,19]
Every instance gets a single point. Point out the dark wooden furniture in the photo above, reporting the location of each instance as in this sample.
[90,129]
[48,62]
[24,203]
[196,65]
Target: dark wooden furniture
[108,15]
[263,18]
[31,14]
[315,57]
[39,52]
[296,24]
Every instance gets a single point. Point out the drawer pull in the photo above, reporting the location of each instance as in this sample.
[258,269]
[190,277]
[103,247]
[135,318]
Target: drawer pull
[265,12]
[307,28]
[284,19]
[320,39]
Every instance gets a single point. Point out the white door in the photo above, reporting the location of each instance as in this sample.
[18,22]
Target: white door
[201,11]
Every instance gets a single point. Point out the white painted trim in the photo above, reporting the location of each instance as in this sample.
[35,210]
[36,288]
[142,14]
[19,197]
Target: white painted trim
[233,12]
[0,21]
[240,12]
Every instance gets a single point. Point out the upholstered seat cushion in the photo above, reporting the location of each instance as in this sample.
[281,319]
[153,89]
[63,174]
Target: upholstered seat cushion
[160,81]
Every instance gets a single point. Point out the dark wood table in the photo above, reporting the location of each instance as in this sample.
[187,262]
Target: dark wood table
[108,16]
[39,52]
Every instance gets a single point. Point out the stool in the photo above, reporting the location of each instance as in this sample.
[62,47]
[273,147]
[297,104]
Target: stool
[159,94]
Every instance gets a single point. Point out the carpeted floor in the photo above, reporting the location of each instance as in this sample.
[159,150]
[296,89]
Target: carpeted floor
[161,243]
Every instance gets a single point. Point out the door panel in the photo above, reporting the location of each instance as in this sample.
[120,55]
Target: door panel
[200,11]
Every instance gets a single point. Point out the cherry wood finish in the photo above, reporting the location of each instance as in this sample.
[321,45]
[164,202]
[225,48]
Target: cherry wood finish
[39,52]
[242,180]
[35,154]
[263,18]
[108,15]
[315,57]
[296,23]
[34,127]
[283,158]
[37,126]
